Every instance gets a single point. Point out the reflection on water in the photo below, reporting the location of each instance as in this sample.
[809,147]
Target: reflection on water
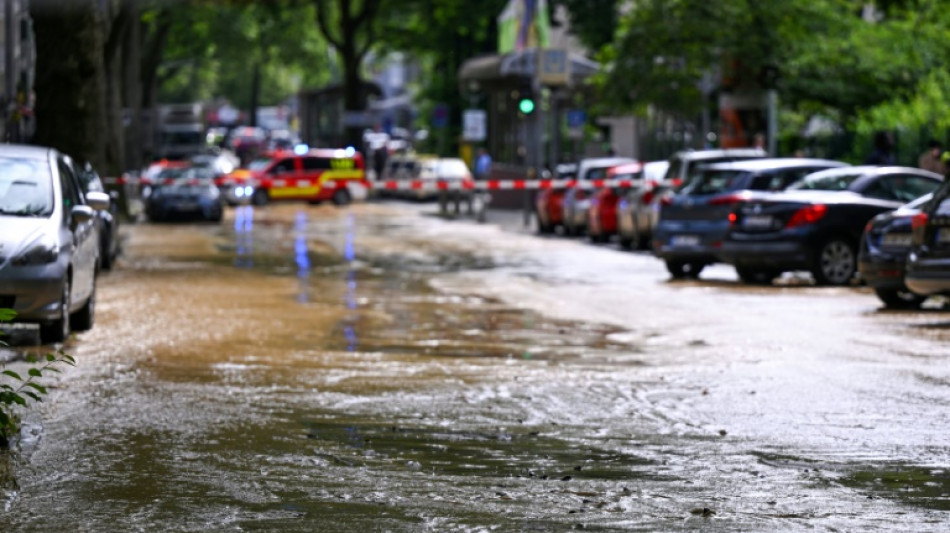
[302,256]
[349,299]
[244,236]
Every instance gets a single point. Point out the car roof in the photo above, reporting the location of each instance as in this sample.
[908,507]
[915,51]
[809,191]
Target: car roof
[870,170]
[24,151]
[696,155]
[626,168]
[755,165]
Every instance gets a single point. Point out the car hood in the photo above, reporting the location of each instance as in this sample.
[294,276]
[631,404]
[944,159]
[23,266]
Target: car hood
[18,233]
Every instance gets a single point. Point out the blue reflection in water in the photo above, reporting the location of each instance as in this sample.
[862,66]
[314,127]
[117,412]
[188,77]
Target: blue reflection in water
[244,236]
[349,298]
[302,256]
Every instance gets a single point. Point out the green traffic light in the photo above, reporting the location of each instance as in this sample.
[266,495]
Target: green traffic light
[526,106]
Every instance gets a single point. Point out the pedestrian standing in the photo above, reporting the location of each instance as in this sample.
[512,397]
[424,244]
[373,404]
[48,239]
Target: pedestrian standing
[931,159]
[483,165]
[883,153]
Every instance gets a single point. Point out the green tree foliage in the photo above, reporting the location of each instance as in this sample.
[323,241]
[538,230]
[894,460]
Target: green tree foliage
[442,34]
[594,22]
[247,52]
[834,57]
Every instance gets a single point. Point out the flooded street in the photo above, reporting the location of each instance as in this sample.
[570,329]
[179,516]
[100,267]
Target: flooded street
[377,368]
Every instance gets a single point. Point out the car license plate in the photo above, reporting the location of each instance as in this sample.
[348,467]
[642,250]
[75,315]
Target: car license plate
[684,240]
[943,236]
[187,206]
[896,239]
[757,222]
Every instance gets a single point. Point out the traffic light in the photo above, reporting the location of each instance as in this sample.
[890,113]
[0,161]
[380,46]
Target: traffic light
[526,105]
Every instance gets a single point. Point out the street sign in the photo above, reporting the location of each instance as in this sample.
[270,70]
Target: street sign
[440,116]
[576,118]
[473,125]
[554,67]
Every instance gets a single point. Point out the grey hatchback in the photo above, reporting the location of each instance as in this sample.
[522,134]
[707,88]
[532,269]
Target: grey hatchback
[49,246]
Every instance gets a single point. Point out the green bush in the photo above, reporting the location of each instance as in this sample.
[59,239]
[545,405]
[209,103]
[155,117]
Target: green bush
[16,391]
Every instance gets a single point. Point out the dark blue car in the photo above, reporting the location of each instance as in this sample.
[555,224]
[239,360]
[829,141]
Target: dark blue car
[694,221]
[185,192]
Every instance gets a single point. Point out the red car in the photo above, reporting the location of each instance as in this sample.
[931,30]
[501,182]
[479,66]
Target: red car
[548,205]
[602,212]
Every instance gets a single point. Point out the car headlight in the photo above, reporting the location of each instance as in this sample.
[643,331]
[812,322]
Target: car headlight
[40,253]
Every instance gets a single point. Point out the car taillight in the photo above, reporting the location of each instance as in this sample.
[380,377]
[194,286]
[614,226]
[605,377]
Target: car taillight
[726,200]
[733,217]
[919,221]
[807,215]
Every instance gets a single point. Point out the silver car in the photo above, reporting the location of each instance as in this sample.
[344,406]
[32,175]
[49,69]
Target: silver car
[49,246]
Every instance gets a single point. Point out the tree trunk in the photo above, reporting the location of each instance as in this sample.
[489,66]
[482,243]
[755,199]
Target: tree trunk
[132,87]
[70,79]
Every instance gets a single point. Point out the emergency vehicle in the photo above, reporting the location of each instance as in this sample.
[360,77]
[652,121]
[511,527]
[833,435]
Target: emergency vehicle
[312,175]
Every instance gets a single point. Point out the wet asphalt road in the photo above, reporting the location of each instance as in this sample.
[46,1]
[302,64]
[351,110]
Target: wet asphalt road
[377,368]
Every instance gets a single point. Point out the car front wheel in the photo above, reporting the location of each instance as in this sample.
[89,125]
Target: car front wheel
[899,298]
[84,319]
[835,263]
[58,330]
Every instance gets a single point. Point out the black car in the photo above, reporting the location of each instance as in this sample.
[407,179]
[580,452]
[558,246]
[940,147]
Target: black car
[928,263]
[107,220]
[884,247]
[817,224]
[694,221]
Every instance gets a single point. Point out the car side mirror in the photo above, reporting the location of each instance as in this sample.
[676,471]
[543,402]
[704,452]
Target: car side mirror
[82,213]
[98,201]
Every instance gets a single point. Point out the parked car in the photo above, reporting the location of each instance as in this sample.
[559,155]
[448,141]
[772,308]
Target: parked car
[883,251]
[639,210]
[639,207]
[577,197]
[928,263]
[107,220]
[185,192]
[694,221]
[448,170]
[548,202]
[817,224]
[49,246]
[602,211]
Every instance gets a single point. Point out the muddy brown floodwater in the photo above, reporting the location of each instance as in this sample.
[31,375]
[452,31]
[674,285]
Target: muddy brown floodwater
[376,368]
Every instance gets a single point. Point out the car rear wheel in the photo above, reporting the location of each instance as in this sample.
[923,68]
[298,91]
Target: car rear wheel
[835,263]
[58,330]
[84,319]
[756,276]
[682,269]
[341,197]
[543,227]
[899,298]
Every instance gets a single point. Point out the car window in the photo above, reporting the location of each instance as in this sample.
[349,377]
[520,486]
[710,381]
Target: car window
[836,182]
[908,187]
[629,176]
[714,182]
[596,173]
[70,186]
[316,163]
[675,169]
[25,187]
[284,165]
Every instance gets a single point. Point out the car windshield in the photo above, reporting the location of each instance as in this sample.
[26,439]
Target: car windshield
[596,173]
[713,182]
[834,182]
[259,164]
[26,187]
[629,176]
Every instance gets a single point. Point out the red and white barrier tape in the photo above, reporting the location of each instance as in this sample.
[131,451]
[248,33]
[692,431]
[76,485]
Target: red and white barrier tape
[468,185]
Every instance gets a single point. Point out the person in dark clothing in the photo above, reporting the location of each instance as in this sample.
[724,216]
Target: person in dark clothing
[883,153]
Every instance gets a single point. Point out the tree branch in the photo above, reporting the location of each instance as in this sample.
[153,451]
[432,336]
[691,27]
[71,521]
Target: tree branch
[324,27]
